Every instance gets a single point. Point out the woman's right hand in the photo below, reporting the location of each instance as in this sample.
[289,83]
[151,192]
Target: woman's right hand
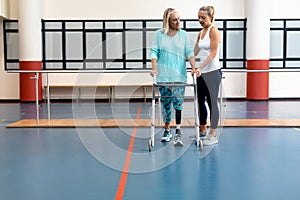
[153,72]
[198,72]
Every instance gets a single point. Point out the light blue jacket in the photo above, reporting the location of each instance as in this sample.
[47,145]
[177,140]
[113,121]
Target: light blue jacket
[171,54]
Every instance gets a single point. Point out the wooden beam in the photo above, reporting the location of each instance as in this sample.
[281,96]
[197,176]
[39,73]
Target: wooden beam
[106,123]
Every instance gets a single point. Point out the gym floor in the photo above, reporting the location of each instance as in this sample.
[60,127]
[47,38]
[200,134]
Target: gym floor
[114,163]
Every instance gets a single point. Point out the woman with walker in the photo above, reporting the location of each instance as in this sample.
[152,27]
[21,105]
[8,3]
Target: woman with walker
[170,49]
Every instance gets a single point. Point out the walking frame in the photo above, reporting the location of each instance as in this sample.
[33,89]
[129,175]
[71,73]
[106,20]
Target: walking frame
[199,142]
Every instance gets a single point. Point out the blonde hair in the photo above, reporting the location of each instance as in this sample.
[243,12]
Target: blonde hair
[210,11]
[166,18]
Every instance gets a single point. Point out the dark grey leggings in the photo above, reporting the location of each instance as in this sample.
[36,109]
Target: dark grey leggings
[208,89]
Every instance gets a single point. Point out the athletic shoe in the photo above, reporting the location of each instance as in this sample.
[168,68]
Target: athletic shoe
[178,132]
[177,140]
[167,136]
[203,134]
[210,140]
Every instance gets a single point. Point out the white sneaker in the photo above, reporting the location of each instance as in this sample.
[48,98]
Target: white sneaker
[178,141]
[210,140]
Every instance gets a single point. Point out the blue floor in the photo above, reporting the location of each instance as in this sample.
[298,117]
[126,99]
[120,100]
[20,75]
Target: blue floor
[86,163]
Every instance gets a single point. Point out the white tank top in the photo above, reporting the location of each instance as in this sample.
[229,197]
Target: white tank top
[204,46]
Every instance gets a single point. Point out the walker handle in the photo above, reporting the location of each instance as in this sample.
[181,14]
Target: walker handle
[154,78]
[194,78]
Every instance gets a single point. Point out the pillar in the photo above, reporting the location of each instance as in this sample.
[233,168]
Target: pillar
[258,48]
[30,47]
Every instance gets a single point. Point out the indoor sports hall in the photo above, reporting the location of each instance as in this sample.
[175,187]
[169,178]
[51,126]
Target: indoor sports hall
[81,116]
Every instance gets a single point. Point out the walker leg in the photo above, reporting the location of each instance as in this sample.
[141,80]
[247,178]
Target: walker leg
[199,142]
[151,141]
[150,145]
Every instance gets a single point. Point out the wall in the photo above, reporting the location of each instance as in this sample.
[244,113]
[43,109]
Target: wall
[9,83]
[287,9]
[281,84]
[4,8]
[284,84]
[136,9]
[9,86]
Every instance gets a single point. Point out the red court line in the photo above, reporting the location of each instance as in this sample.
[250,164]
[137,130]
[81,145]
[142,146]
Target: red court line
[123,179]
